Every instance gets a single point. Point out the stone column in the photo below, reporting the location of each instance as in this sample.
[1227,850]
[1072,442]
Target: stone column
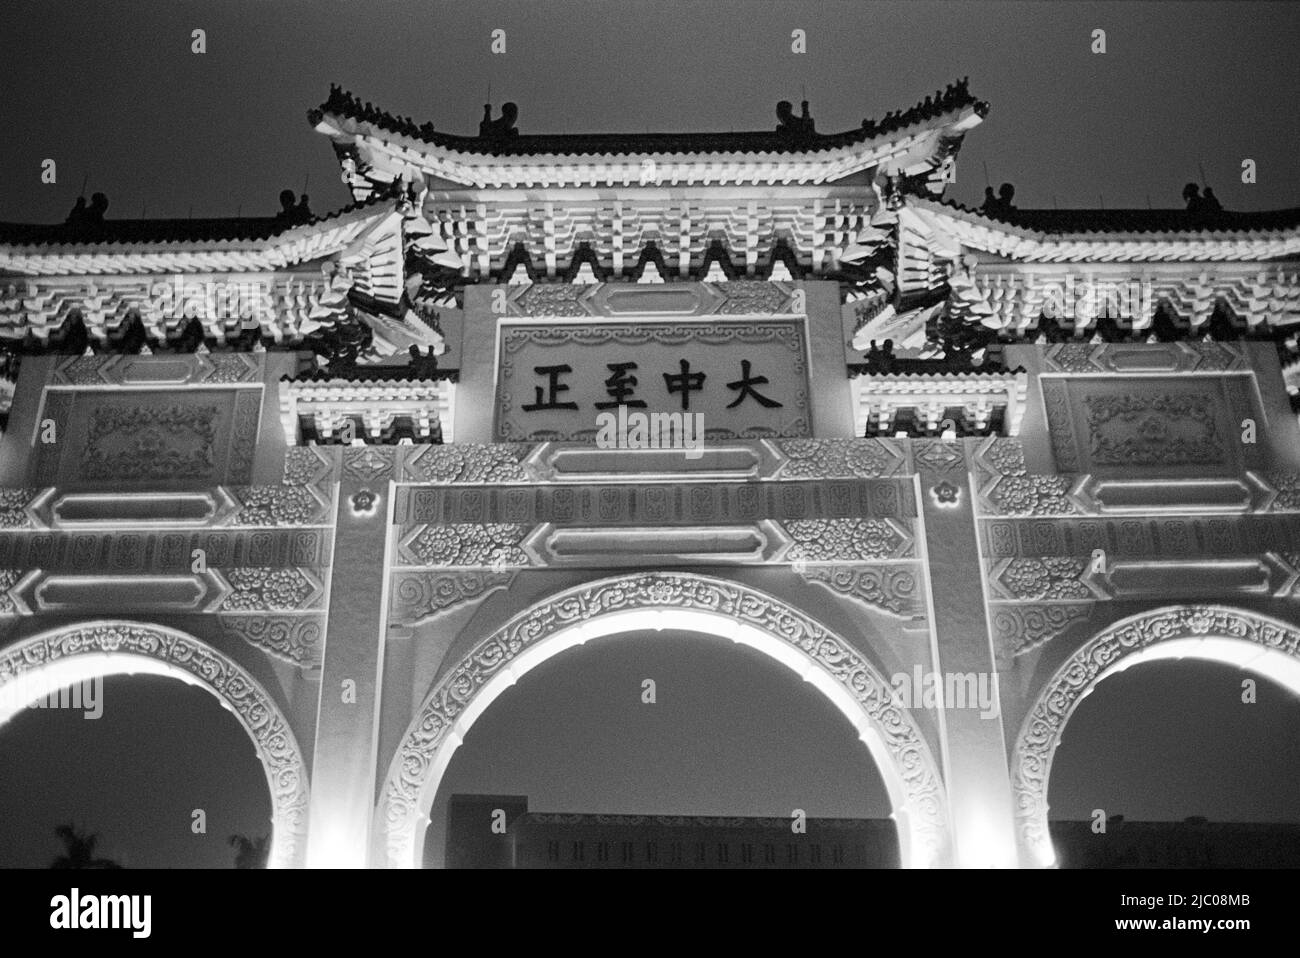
[974,753]
[347,725]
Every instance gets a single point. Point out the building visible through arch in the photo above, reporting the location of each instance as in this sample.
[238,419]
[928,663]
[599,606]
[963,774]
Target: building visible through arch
[356,473]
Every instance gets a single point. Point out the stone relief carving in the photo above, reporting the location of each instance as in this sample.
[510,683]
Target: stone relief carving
[913,762]
[369,463]
[1034,495]
[271,590]
[552,299]
[1049,577]
[1150,430]
[291,638]
[8,579]
[1172,536]
[286,772]
[838,458]
[143,442]
[1002,456]
[1286,489]
[831,540]
[13,508]
[894,589]
[937,456]
[418,596]
[470,463]
[1041,732]
[305,466]
[162,551]
[1060,426]
[279,506]
[1089,358]
[1018,629]
[751,296]
[243,435]
[466,544]
[658,503]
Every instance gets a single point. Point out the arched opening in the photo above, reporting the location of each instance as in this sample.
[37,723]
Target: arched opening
[1253,644]
[663,742]
[1178,764]
[686,603]
[154,767]
[36,667]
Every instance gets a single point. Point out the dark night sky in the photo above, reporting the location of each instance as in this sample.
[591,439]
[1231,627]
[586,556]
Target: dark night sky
[112,92]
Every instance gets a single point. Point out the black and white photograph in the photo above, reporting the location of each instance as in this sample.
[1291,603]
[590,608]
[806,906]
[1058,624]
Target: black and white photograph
[650,436]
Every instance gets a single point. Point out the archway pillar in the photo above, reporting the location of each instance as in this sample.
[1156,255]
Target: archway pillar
[974,747]
[347,726]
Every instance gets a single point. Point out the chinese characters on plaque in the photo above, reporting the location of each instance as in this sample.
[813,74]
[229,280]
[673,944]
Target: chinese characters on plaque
[745,378]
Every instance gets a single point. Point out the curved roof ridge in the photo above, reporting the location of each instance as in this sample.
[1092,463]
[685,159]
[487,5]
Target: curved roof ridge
[954,98]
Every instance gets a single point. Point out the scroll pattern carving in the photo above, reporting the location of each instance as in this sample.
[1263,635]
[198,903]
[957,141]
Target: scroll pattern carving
[913,762]
[286,772]
[292,639]
[1021,628]
[1041,733]
[418,596]
[893,589]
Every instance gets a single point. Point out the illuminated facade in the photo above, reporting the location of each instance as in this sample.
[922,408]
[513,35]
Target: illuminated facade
[356,474]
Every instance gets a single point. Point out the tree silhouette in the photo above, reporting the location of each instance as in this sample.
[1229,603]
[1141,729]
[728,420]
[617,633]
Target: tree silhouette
[79,850]
[251,852]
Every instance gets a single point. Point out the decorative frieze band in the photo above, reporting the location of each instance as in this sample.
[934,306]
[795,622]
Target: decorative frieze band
[658,504]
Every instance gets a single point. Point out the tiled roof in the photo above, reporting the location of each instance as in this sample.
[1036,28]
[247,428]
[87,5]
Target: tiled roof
[1118,221]
[342,103]
[247,229]
[374,374]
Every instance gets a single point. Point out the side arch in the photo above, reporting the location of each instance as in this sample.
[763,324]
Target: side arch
[684,601]
[1255,643]
[41,664]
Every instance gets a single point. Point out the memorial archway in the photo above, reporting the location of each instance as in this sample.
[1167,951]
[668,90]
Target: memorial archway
[689,602]
[1257,644]
[40,665]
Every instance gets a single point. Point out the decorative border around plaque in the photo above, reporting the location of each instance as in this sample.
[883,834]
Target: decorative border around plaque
[754,385]
[1176,426]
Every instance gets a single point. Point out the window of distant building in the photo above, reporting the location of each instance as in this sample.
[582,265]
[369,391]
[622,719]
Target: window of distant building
[700,853]
[675,853]
[652,852]
[837,854]
[792,854]
[722,853]
[578,851]
[769,853]
[747,853]
[628,855]
[602,851]
[552,851]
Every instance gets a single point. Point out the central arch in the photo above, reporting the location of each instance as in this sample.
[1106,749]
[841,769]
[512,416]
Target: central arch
[1255,643]
[689,602]
[38,666]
